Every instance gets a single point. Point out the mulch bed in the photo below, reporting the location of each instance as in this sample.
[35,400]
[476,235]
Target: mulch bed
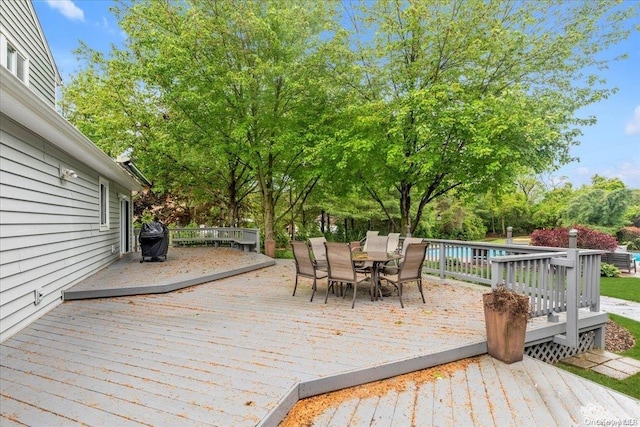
[617,338]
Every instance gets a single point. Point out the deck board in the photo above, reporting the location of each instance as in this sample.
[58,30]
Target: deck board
[229,352]
[460,399]
[553,391]
[479,409]
[535,405]
[403,410]
[496,395]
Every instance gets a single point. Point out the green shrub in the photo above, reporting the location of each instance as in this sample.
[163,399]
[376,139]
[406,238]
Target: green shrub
[609,270]
[633,245]
[629,236]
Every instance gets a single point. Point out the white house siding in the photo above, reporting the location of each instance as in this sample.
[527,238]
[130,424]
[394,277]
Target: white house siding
[49,227]
[19,22]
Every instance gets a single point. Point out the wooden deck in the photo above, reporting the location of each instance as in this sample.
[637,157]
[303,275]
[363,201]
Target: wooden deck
[479,391]
[241,351]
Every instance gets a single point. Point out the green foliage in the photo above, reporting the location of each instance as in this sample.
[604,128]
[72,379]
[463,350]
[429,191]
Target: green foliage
[629,236]
[607,184]
[609,270]
[464,98]
[147,216]
[549,211]
[598,207]
[270,109]
[469,227]
[633,245]
[284,254]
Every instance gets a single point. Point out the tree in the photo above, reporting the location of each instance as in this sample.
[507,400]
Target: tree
[548,213]
[237,93]
[462,95]
[607,184]
[597,207]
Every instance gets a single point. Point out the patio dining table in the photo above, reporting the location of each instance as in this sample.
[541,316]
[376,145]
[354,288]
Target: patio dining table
[377,259]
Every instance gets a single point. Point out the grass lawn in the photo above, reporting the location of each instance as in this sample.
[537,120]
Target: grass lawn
[627,288]
[629,386]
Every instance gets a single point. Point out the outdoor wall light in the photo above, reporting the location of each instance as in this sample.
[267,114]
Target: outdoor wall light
[68,174]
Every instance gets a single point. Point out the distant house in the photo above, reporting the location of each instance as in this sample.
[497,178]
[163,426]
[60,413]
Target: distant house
[65,206]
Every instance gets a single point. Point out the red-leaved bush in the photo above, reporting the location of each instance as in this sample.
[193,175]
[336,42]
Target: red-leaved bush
[587,238]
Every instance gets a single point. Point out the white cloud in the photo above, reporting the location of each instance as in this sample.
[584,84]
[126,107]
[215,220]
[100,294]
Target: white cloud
[629,173]
[633,127]
[67,8]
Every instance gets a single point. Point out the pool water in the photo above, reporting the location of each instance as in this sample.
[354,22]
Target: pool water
[466,252]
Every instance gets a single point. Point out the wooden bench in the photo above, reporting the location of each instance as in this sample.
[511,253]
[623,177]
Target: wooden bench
[245,245]
[622,260]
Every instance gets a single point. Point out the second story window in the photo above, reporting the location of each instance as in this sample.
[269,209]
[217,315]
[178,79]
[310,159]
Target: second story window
[13,60]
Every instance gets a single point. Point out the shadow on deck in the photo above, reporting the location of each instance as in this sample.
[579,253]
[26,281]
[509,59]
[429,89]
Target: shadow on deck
[242,351]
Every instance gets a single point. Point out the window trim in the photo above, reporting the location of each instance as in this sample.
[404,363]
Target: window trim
[103,203]
[7,43]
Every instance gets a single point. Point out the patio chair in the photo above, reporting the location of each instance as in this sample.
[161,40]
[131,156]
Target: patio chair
[410,269]
[365,245]
[305,266]
[375,244]
[319,251]
[392,266]
[341,270]
[393,242]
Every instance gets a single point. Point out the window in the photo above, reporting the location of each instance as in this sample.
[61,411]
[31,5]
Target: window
[13,60]
[103,192]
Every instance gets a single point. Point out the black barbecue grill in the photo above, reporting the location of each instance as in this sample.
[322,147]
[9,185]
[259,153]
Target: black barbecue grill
[154,241]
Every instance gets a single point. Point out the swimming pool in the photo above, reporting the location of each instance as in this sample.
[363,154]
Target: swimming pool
[465,252]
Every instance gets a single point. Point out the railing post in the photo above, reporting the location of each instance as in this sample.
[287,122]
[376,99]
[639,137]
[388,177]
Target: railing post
[443,259]
[573,238]
[509,235]
[570,339]
[496,276]
[595,273]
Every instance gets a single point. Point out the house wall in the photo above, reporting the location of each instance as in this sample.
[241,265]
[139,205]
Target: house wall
[19,24]
[50,235]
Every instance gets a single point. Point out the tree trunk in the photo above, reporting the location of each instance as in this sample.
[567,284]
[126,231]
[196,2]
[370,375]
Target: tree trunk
[345,229]
[405,208]
[269,217]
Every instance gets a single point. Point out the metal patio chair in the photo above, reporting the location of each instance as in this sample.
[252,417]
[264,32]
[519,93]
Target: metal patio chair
[341,270]
[393,242]
[305,266]
[319,251]
[409,270]
[375,243]
[392,266]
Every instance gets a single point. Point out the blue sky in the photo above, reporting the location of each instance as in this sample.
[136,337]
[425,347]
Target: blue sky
[611,148]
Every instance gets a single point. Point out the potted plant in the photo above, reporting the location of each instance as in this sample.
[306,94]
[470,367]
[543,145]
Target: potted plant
[505,314]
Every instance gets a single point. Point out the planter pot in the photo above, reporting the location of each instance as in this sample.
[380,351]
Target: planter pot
[270,248]
[505,332]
